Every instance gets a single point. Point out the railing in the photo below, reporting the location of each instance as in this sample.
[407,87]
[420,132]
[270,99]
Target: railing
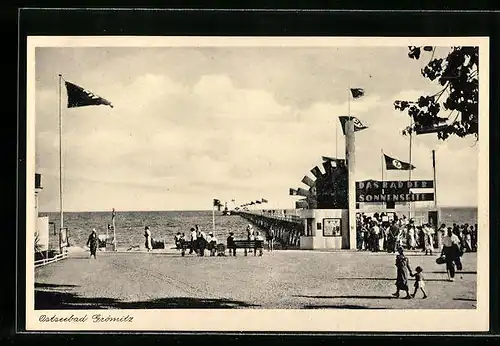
[54,259]
[275,216]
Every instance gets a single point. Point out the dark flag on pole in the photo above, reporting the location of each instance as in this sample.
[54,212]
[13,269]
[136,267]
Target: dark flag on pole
[395,164]
[264,200]
[358,125]
[357,92]
[217,202]
[258,202]
[79,97]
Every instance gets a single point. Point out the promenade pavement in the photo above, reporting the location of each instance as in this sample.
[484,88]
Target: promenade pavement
[295,279]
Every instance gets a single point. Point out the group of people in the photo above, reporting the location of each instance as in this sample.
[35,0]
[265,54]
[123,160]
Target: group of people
[453,242]
[197,242]
[378,233]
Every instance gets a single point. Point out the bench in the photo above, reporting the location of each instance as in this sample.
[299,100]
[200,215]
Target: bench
[247,244]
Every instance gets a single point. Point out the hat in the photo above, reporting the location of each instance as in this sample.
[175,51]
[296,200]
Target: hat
[93,230]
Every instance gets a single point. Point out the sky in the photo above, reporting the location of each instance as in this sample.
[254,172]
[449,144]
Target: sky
[190,124]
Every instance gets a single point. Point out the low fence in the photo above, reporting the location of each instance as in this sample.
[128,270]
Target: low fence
[54,259]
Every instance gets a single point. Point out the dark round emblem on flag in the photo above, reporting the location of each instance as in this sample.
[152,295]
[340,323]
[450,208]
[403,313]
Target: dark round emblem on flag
[357,122]
[397,164]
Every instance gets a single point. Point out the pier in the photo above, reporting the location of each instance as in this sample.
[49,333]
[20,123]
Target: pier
[288,228]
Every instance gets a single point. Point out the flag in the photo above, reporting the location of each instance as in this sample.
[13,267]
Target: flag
[79,97]
[217,202]
[392,163]
[293,192]
[358,125]
[252,203]
[264,200]
[258,202]
[357,92]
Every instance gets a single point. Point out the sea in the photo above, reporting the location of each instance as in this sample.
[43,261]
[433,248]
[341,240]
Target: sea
[165,224]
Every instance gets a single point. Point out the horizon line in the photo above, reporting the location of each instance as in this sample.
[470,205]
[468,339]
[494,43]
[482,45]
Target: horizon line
[174,210]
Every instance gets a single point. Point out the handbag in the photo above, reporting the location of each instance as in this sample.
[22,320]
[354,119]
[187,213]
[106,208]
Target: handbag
[441,259]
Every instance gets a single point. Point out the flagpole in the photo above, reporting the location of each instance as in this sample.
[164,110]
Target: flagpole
[114,230]
[61,208]
[382,161]
[336,139]
[434,173]
[349,102]
[409,171]
[213,217]
[351,162]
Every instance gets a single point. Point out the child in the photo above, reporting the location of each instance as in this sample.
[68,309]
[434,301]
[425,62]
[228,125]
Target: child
[419,282]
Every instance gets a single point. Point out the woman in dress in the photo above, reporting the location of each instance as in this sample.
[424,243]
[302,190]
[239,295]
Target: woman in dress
[402,273]
[411,237]
[92,243]
[428,237]
[147,235]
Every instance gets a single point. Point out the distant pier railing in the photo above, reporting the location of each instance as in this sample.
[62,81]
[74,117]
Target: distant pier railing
[287,227]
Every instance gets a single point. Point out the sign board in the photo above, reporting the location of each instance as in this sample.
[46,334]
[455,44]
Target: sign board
[394,184]
[402,197]
[331,228]
[393,191]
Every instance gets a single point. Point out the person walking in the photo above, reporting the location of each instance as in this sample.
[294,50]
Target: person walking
[451,253]
[441,233]
[270,239]
[92,243]
[402,270]
[147,235]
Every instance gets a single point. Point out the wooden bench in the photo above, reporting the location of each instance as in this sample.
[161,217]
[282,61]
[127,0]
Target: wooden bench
[247,244]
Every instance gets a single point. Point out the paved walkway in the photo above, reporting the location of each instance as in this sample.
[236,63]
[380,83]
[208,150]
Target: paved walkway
[277,280]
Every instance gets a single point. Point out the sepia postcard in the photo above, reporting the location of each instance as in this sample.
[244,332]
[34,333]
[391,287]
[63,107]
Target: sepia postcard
[257,184]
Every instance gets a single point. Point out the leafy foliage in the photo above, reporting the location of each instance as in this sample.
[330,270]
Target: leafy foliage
[458,75]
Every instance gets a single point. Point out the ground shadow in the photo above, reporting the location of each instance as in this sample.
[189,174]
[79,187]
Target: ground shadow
[346,297]
[347,306]
[457,272]
[386,279]
[50,286]
[465,299]
[57,300]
